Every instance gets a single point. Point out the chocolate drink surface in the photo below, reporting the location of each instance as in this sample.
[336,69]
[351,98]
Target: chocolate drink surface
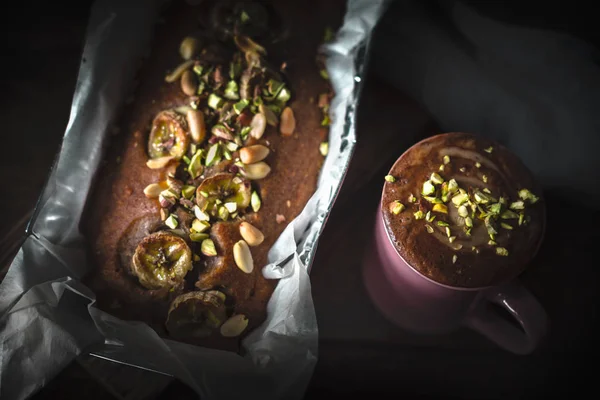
[464,211]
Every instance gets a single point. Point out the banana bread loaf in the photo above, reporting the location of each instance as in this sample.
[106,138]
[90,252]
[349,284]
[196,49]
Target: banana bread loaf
[219,150]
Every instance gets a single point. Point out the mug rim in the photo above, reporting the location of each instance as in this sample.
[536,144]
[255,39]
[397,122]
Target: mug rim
[456,288]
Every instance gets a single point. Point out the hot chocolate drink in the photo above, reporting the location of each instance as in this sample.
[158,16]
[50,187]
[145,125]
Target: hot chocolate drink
[463,211]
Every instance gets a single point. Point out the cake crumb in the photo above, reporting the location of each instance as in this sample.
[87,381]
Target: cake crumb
[280,218]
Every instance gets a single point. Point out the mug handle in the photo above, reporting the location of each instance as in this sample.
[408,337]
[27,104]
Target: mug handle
[522,306]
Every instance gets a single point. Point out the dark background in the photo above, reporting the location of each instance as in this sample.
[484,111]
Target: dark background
[42,43]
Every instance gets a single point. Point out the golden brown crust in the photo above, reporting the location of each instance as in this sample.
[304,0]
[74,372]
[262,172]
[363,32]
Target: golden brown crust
[431,253]
[119,213]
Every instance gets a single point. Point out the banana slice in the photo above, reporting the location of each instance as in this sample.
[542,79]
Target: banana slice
[161,260]
[168,136]
[223,194]
[196,314]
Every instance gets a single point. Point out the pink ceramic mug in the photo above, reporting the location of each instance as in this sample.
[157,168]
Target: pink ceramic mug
[419,304]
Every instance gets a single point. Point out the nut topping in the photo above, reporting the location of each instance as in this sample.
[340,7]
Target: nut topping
[153,190]
[243,257]
[177,72]
[258,125]
[188,83]
[188,47]
[158,163]
[253,154]
[197,126]
[256,171]
[234,326]
[288,122]
[251,234]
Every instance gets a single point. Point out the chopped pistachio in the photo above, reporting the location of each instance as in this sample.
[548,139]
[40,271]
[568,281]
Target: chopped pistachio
[436,179]
[448,233]
[196,256]
[274,86]
[283,96]
[255,201]
[495,208]
[213,155]
[171,221]
[232,90]
[506,226]
[440,208]
[208,248]
[396,207]
[240,105]
[459,199]
[525,194]
[429,217]
[188,191]
[446,159]
[428,188]
[521,218]
[204,194]
[198,69]
[484,178]
[324,148]
[244,134]
[451,239]
[491,242]
[454,258]
[478,164]
[193,148]
[201,215]
[507,214]
[442,223]
[231,206]
[468,232]
[489,150]
[463,211]
[231,146]
[411,198]
[201,87]
[226,154]
[186,159]
[441,168]
[223,213]
[490,226]
[517,205]
[419,215]
[324,74]
[198,237]
[462,169]
[199,226]
[390,179]
[483,198]
[488,191]
[214,101]
[452,185]
[433,200]
[501,251]
[429,228]
[475,249]
[468,222]
[444,190]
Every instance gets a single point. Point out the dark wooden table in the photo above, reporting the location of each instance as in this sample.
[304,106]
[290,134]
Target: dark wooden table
[359,351]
